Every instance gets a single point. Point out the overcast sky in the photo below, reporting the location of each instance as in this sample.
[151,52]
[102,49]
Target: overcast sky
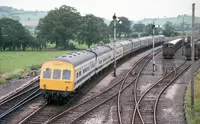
[133,9]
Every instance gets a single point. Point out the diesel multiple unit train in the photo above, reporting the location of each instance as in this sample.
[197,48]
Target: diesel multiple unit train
[64,74]
[196,49]
[170,48]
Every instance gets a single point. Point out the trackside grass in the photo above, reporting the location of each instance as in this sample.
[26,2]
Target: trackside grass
[13,63]
[196,118]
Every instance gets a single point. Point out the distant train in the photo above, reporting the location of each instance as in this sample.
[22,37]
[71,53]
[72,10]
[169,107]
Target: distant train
[170,48]
[188,51]
[64,74]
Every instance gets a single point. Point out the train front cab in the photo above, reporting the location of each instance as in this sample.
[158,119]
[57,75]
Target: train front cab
[188,51]
[168,50]
[56,79]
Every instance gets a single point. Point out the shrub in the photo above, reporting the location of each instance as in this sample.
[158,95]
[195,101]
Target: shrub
[12,76]
[35,67]
[144,34]
[2,81]
[135,35]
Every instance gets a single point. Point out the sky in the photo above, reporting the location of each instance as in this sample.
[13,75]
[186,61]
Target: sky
[133,9]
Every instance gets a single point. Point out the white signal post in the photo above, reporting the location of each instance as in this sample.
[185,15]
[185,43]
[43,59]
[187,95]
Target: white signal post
[114,40]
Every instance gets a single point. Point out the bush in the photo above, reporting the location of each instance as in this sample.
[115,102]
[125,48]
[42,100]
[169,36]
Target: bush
[144,34]
[135,35]
[2,81]
[35,67]
[16,75]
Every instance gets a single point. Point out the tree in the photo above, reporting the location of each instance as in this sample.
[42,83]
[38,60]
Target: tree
[124,27]
[149,30]
[13,35]
[93,30]
[168,29]
[138,27]
[60,25]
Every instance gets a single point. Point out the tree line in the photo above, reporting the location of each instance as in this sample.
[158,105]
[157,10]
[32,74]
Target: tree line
[65,23]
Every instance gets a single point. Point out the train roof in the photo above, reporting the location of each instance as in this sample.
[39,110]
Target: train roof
[76,58]
[197,41]
[117,44]
[125,42]
[150,38]
[174,41]
[142,38]
[135,40]
[161,36]
[99,50]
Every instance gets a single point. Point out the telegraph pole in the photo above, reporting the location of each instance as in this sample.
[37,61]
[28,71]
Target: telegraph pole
[114,40]
[154,65]
[192,69]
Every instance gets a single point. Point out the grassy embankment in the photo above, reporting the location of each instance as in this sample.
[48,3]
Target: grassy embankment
[12,63]
[196,118]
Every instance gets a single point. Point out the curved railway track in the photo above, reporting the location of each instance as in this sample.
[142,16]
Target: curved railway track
[148,106]
[11,103]
[127,104]
[78,111]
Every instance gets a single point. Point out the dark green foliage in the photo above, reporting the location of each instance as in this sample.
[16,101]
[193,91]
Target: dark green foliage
[123,28]
[13,35]
[144,34]
[149,30]
[135,35]
[13,76]
[35,67]
[93,30]
[138,27]
[60,26]
[169,30]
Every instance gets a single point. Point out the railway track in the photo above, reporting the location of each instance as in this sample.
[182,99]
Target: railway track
[11,103]
[146,106]
[44,112]
[78,111]
[127,103]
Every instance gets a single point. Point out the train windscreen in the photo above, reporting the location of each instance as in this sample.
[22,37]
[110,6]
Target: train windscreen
[56,74]
[47,73]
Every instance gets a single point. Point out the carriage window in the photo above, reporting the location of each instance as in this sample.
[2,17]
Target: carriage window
[187,46]
[170,45]
[66,75]
[56,74]
[79,73]
[165,45]
[47,73]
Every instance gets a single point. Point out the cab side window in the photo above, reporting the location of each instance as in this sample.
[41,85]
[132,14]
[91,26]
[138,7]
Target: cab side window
[66,75]
[47,73]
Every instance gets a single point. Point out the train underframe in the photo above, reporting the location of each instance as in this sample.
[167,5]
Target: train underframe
[168,56]
[50,95]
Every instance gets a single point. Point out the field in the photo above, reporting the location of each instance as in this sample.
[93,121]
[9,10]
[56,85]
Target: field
[196,118]
[12,63]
